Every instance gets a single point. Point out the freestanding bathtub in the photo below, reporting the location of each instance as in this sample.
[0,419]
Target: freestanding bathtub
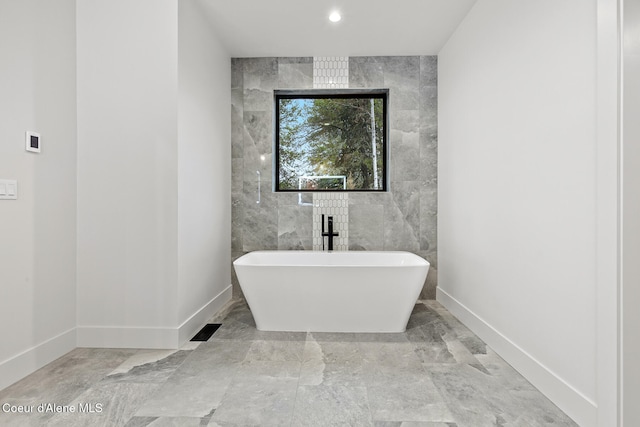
[331,291]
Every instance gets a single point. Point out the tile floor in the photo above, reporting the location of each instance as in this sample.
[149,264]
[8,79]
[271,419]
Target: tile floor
[435,374]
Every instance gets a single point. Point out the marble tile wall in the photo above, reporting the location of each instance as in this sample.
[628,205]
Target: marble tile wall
[404,218]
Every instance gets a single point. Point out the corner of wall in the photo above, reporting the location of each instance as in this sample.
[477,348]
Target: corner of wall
[573,402]
[34,358]
[204,165]
[517,191]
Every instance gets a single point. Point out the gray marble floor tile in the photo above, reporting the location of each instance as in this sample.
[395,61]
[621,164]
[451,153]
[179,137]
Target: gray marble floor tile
[503,373]
[330,351]
[214,423]
[427,331]
[383,363]
[332,364]
[61,381]
[200,383]
[142,357]
[461,353]
[180,422]
[332,374]
[102,353]
[478,399]
[261,400]
[381,337]
[474,344]
[333,337]
[154,366]
[412,424]
[538,411]
[430,333]
[429,321]
[108,404]
[140,421]
[385,353]
[280,336]
[167,422]
[217,353]
[436,374]
[21,420]
[434,352]
[331,406]
[265,370]
[452,322]
[187,395]
[276,351]
[408,398]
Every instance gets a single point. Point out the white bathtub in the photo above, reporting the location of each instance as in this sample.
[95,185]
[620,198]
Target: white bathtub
[331,291]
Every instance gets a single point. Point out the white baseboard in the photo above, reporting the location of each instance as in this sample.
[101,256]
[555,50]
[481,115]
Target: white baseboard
[145,337]
[25,363]
[580,408]
[34,358]
[127,337]
[194,323]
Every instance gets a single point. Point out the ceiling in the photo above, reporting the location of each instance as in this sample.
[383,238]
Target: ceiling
[257,28]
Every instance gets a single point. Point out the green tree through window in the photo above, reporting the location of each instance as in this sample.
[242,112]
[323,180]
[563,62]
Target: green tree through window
[337,137]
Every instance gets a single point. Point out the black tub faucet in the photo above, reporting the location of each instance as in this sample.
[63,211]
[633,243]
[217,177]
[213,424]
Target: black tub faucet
[329,233]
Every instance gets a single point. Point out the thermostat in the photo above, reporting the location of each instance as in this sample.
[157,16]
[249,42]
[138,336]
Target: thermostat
[32,141]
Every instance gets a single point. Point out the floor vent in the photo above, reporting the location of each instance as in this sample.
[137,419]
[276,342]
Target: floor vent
[206,332]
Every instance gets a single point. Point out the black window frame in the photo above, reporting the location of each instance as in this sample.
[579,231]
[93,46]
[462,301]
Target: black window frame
[332,94]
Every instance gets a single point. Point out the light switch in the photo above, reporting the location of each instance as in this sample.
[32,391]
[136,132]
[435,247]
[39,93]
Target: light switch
[8,189]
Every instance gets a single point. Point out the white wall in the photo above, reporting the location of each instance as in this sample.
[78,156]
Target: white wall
[127,170]
[607,188]
[153,178]
[204,166]
[631,215]
[37,231]
[517,189]
[105,210]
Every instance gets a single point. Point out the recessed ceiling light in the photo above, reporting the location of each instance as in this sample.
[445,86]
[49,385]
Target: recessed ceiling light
[335,17]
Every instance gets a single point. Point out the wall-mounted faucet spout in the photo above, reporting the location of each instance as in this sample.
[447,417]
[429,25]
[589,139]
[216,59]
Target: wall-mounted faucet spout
[329,233]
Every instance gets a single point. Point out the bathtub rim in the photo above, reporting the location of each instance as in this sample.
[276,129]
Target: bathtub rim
[249,259]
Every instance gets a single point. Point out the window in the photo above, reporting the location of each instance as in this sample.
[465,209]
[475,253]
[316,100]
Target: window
[331,140]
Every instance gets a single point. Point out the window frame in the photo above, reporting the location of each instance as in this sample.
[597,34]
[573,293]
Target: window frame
[382,94]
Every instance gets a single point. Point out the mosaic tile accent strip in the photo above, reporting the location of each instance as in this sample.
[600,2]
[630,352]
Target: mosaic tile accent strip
[337,206]
[330,72]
